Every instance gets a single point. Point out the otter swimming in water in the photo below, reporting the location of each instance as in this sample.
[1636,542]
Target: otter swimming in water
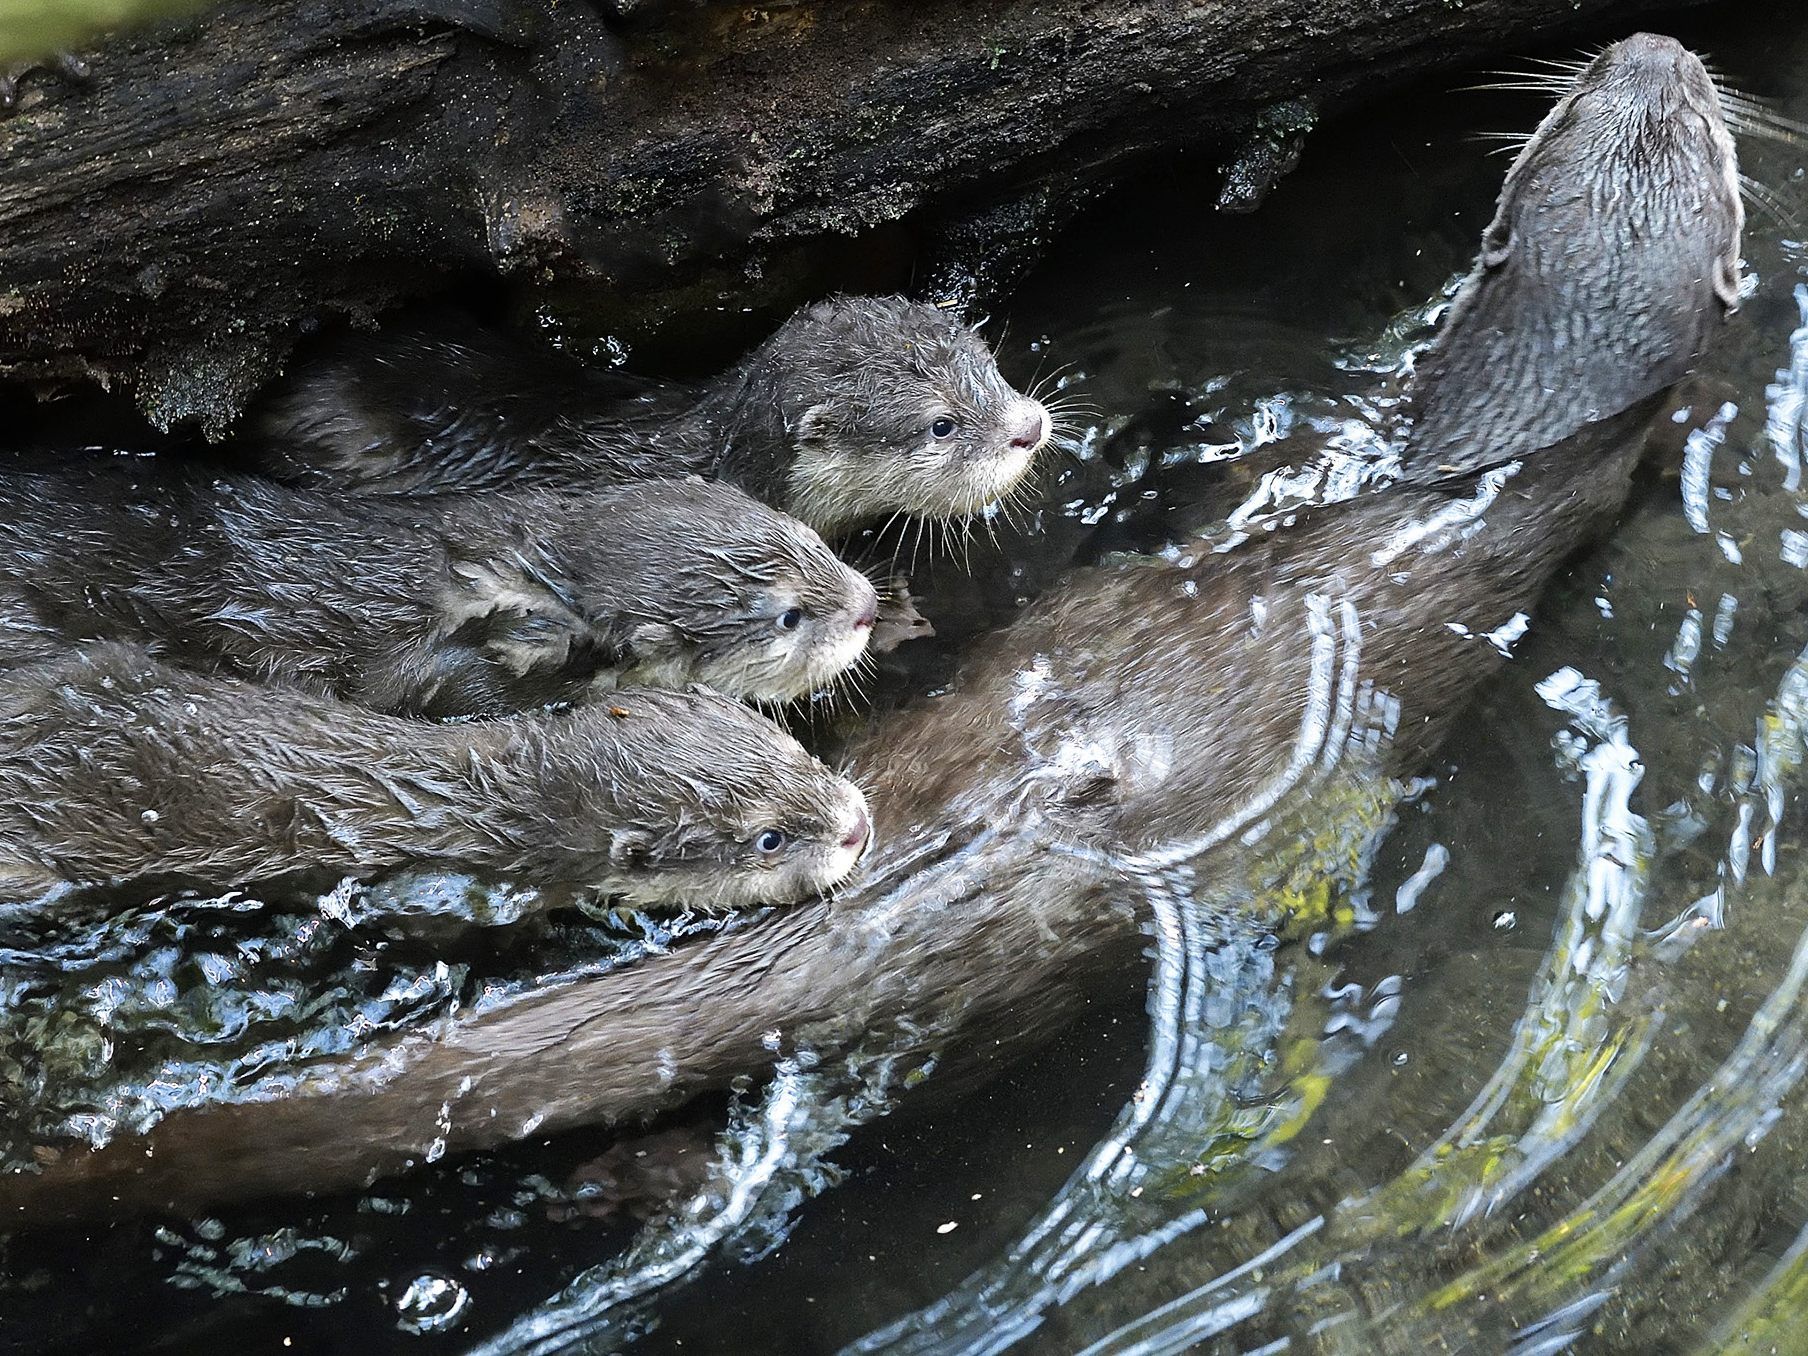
[114,766]
[444,606]
[1147,717]
[855,409]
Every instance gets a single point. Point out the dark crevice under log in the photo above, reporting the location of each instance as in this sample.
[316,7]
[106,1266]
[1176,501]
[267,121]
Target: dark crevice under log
[227,183]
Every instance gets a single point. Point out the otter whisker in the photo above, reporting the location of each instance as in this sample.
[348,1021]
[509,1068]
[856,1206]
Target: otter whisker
[1003,514]
[1752,118]
[1730,93]
[780,713]
[1061,410]
[1768,201]
[1070,437]
[897,549]
[1571,67]
[849,687]
[1050,382]
[1545,77]
[1757,118]
[989,517]
[1515,87]
[1008,505]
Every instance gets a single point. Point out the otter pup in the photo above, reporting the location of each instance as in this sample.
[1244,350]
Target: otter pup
[444,606]
[113,765]
[854,409]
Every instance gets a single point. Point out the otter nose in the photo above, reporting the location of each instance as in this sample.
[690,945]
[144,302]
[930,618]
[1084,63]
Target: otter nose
[1032,426]
[1653,52]
[1652,45]
[866,602]
[862,830]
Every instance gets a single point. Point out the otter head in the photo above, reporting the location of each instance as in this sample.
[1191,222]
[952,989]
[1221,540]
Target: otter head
[715,588]
[1613,253]
[695,799]
[891,406]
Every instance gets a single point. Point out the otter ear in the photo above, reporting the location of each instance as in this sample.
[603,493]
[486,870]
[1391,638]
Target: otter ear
[1497,247]
[629,848]
[653,640]
[812,425]
[1726,284]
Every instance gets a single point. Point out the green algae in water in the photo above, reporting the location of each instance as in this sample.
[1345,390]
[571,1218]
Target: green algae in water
[35,28]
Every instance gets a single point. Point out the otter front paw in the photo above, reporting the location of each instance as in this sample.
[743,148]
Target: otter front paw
[65,65]
[898,619]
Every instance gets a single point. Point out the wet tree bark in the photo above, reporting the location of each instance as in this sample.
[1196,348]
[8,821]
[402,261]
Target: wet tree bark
[227,183]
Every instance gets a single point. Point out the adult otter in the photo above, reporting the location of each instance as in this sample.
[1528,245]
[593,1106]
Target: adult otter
[113,765]
[854,409]
[448,606]
[1147,717]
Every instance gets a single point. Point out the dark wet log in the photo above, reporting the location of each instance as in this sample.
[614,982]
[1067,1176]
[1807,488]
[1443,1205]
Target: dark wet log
[227,183]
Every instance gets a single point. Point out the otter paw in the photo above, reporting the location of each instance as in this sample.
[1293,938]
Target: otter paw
[898,619]
[637,1178]
[64,65]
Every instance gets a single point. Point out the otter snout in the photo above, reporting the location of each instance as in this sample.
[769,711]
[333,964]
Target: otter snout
[1655,52]
[866,604]
[860,834]
[1029,425]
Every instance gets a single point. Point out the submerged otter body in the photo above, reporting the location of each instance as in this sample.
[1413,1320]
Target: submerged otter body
[441,606]
[114,766]
[1147,719]
[856,408]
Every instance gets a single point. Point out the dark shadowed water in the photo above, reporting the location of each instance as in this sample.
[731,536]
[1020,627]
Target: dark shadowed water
[1540,1089]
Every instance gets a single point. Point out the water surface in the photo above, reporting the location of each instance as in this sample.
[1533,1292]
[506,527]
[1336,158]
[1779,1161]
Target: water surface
[1542,1089]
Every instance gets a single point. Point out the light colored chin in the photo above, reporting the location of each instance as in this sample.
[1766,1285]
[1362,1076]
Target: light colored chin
[834,866]
[961,489]
[799,675]
[975,489]
[748,890]
[838,660]
[832,493]
[842,862]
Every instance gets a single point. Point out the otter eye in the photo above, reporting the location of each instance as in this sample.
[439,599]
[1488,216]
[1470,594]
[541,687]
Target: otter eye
[790,619]
[771,841]
[943,428]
